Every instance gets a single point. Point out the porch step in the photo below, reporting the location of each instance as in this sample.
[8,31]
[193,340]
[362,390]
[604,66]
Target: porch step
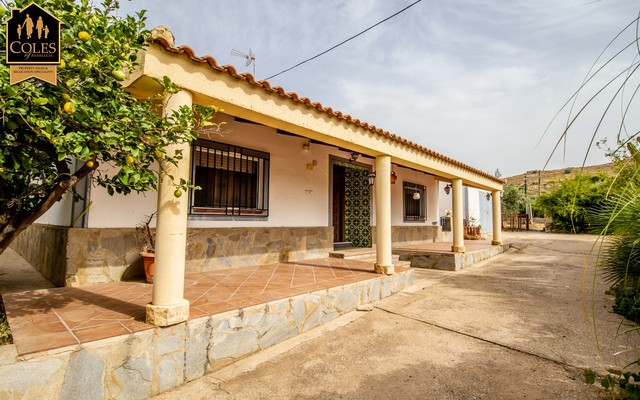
[352,252]
[342,245]
[366,254]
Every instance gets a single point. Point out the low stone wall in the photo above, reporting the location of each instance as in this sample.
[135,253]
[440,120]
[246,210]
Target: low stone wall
[146,363]
[81,256]
[215,248]
[449,261]
[412,234]
[44,247]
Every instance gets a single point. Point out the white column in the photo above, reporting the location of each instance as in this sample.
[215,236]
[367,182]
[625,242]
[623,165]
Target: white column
[457,223]
[168,306]
[497,217]
[384,263]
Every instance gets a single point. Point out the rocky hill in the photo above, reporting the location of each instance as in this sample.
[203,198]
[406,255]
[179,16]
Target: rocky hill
[546,181]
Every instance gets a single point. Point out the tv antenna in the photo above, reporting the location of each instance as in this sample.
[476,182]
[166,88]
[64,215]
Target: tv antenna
[250,57]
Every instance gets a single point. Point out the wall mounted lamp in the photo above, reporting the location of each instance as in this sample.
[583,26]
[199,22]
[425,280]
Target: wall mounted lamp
[447,189]
[372,178]
[312,164]
[394,177]
[307,145]
[416,195]
[354,156]
[488,196]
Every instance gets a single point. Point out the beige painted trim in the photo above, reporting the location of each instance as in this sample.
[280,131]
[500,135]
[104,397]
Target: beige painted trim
[241,99]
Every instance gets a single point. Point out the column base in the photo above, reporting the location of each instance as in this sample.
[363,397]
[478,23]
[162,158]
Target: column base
[383,269]
[496,242]
[168,315]
[458,249]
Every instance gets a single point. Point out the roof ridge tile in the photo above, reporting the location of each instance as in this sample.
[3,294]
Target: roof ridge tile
[249,78]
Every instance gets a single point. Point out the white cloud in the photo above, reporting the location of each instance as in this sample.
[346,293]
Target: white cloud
[478,80]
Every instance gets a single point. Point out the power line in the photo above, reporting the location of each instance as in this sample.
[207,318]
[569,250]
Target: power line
[345,41]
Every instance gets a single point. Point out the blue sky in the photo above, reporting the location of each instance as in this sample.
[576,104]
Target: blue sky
[476,80]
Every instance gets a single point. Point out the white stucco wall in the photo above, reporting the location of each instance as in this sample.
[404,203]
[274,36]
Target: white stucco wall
[298,196]
[445,201]
[60,213]
[397,201]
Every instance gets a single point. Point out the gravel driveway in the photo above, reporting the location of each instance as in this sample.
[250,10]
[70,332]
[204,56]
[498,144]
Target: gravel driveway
[512,327]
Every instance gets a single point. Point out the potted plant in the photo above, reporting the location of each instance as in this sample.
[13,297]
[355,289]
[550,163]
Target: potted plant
[472,230]
[148,248]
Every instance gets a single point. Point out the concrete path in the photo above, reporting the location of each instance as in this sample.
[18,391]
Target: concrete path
[16,274]
[511,327]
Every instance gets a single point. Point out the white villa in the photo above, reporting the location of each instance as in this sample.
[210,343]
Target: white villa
[284,179]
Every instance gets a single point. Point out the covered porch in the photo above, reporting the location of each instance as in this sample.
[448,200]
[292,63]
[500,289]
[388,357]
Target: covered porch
[203,82]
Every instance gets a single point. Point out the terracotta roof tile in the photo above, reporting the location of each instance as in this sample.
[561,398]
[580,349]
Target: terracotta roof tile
[229,69]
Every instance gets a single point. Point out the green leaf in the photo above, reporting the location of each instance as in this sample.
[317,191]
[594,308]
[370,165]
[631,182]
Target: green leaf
[589,376]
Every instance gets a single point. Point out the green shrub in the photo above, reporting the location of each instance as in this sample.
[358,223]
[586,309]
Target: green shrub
[568,205]
[627,302]
[5,332]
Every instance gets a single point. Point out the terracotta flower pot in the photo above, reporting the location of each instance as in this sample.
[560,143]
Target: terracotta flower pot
[148,259]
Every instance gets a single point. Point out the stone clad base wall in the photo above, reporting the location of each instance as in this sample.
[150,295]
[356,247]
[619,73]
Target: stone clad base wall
[80,256]
[146,363]
[412,234]
[449,261]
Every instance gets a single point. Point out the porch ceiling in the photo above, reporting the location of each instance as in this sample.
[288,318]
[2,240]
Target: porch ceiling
[241,96]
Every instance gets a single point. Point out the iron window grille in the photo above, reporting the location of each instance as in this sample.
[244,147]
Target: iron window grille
[415,202]
[234,180]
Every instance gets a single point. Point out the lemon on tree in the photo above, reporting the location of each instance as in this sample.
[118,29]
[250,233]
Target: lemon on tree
[85,117]
[118,74]
[69,107]
[177,192]
[84,36]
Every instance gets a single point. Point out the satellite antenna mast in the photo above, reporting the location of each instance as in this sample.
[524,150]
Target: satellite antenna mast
[250,57]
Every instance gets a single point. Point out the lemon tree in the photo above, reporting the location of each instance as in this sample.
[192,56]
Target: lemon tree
[87,125]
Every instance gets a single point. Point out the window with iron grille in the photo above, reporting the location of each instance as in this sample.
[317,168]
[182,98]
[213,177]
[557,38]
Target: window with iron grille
[415,202]
[234,180]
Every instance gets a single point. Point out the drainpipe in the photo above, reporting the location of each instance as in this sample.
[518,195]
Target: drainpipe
[457,225]
[168,306]
[497,217]
[384,263]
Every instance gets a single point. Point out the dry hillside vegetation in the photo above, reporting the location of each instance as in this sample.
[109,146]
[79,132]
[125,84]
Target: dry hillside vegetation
[550,180]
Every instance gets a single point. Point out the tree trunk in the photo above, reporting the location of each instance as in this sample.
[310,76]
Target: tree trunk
[19,222]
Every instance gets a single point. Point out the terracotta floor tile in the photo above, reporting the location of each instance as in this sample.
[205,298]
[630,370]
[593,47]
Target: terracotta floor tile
[106,310]
[28,319]
[195,312]
[100,332]
[26,344]
[136,326]
[216,308]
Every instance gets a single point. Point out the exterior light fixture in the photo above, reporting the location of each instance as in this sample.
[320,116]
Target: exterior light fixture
[394,177]
[354,156]
[416,195]
[372,178]
[447,189]
[488,196]
[307,145]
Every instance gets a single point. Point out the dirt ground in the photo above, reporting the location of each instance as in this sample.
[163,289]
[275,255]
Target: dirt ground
[512,327]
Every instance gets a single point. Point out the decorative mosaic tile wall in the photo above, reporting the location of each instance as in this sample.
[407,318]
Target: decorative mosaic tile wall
[357,206]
